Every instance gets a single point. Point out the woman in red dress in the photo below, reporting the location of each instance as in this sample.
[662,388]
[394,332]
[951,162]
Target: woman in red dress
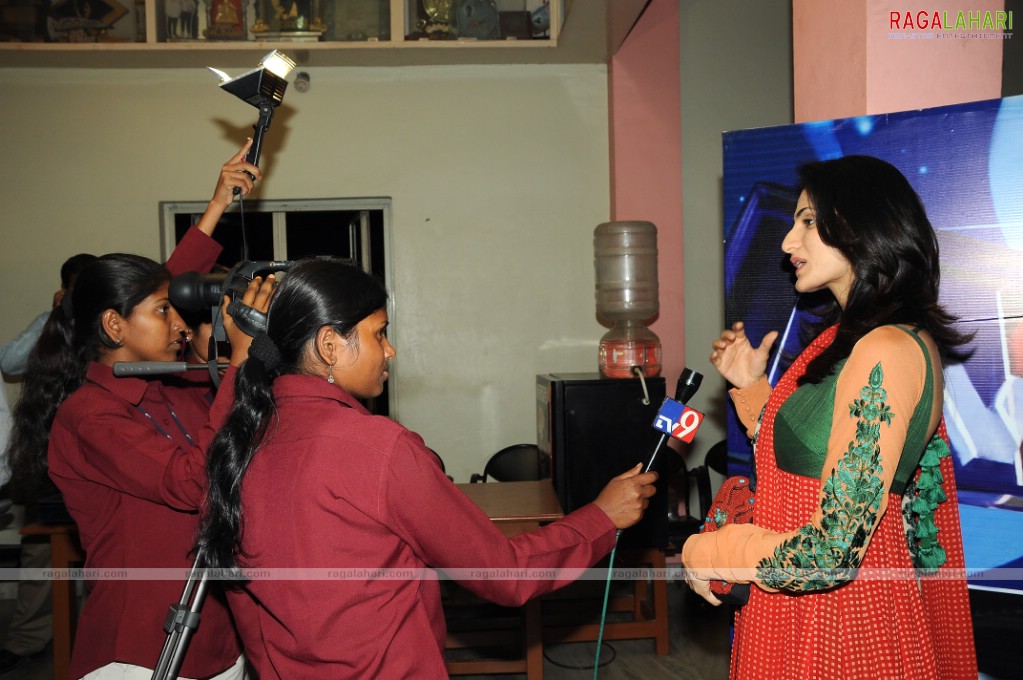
[853,479]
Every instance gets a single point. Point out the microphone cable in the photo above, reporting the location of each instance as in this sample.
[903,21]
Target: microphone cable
[688,383]
[610,569]
[603,608]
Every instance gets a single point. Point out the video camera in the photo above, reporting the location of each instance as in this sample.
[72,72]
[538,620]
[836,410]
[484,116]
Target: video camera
[195,292]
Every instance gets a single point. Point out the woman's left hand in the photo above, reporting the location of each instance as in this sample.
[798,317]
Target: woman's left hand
[701,587]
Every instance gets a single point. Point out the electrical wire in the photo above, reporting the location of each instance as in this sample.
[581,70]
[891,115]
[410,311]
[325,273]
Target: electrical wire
[607,661]
[603,609]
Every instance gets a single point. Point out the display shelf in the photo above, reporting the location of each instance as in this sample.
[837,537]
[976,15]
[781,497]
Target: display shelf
[167,33]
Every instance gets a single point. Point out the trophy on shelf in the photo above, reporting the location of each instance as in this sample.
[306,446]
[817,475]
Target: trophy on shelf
[259,26]
[437,19]
[294,20]
[73,20]
[227,20]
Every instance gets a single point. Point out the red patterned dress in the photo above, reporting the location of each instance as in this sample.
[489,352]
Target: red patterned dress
[855,543]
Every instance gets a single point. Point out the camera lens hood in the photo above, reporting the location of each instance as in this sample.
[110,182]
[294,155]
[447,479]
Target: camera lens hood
[195,292]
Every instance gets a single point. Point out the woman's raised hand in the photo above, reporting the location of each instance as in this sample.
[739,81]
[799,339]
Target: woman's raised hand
[737,360]
[236,173]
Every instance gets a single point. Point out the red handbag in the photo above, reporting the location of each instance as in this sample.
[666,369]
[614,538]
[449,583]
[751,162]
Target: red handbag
[733,504]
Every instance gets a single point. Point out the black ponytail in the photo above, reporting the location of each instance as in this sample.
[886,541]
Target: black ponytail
[54,371]
[230,454]
[71,337]
[313,294]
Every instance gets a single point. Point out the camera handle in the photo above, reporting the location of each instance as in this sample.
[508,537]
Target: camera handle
[251,321]
[181,622]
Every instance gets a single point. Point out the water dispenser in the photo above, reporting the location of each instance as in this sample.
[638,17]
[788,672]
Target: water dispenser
[625,257]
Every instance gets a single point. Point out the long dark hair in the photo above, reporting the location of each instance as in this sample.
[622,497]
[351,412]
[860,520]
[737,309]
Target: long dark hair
[72,336]
[312,294]
[867,210]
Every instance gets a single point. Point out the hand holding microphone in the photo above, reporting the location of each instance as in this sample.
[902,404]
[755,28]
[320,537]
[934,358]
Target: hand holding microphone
[627,496]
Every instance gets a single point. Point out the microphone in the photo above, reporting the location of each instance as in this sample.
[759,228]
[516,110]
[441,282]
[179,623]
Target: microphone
[674,418]
[125,369]
[688,382]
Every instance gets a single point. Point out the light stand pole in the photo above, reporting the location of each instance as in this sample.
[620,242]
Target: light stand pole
[266,114]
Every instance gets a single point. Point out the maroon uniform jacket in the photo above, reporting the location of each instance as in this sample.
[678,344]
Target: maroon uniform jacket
[132,481]
[335,493]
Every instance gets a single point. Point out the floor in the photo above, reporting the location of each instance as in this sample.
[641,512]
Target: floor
[699,643]
[699,647]
[699,635]
[699,650]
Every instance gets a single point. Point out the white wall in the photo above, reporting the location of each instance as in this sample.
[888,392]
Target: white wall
[498,176]
[736,74]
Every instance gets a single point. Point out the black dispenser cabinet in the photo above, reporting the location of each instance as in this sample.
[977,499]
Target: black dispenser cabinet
[591,429]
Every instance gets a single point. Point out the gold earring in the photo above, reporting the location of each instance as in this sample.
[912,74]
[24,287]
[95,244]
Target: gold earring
[330,374]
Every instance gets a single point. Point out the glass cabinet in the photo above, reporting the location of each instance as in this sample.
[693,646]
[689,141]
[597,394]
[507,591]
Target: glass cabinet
[178,24]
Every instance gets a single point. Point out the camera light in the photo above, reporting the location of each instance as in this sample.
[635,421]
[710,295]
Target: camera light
[263,85]
[278,64]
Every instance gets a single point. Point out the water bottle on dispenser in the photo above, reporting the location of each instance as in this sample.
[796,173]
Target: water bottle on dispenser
[625,257]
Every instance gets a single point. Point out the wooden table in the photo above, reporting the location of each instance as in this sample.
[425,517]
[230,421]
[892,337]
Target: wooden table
[516,502]
[516,507]
[65,552]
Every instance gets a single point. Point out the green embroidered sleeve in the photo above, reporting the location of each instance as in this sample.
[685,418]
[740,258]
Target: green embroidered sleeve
[879,418]
[824,555]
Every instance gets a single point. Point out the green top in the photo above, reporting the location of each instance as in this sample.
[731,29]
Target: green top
[803,425]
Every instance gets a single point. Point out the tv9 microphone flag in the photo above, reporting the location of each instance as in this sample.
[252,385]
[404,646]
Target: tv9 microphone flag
[678,420]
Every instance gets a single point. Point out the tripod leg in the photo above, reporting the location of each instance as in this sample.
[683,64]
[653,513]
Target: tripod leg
[182,621]
[163,664]
[186,634]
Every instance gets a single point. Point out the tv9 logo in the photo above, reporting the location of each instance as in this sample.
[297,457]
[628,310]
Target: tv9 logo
[678,420]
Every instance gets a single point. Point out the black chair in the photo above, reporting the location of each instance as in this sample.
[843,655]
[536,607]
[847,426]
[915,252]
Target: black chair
[516,463]
[689,499]
[441,461]
[717,458]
